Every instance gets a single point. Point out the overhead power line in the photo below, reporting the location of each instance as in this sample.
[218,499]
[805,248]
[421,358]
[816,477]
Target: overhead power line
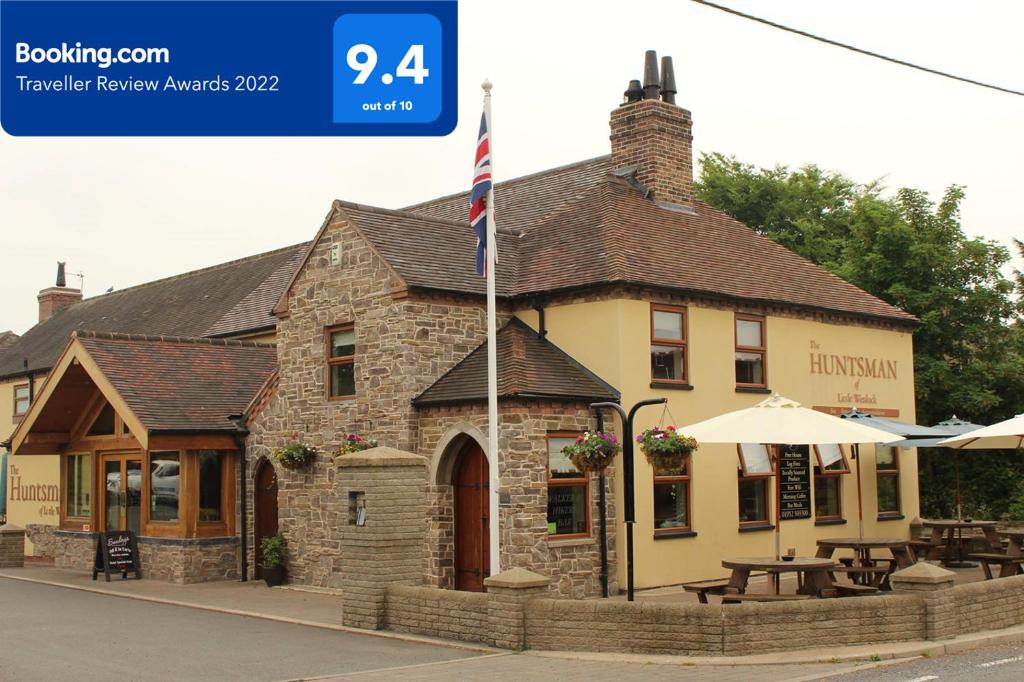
[869,53]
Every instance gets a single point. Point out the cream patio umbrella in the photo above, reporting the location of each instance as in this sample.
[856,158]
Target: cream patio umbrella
[1004,435]
[780,421]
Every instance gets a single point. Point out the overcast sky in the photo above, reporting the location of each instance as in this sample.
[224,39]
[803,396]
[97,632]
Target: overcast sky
[126,211]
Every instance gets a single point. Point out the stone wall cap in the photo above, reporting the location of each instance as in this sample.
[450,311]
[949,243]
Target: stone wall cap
[517,578]
[381,456]
[11,528]
[923,572]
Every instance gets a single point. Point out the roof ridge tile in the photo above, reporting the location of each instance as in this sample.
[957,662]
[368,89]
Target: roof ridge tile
[180,340]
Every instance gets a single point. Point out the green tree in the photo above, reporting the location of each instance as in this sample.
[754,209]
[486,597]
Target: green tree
[913,253]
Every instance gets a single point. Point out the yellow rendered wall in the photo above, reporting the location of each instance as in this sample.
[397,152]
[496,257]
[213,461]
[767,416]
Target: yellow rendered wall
[612,338]
[33,493]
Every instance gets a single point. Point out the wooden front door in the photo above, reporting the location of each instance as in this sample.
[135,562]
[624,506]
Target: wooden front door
[265,508]
[472,544]
[122,492]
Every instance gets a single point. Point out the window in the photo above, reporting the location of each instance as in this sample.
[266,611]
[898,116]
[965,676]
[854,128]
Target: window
[341,350]
[164,486]
[672,499]
[79,485]
[750,351]
[568,491]
[104,424]
[828,482]
[755,474]
[888,475]
[21,400]
[210,488]
[668,344]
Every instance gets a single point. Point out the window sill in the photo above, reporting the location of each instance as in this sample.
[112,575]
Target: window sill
[753,389]
[758,528]
[568,542]
[672,534]
[891,517]
[671,387]
[829,522]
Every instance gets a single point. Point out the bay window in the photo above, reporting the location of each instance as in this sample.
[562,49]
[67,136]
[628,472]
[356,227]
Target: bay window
[568,491]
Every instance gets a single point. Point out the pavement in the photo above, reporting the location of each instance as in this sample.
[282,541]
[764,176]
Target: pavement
[244,605]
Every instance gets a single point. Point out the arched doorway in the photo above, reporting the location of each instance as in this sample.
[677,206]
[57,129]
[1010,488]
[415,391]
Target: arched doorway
[264,508]
[472,535]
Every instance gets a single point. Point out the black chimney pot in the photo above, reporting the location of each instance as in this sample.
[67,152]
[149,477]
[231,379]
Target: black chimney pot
[634,93]
[61,280]
[668,81]
[652,84]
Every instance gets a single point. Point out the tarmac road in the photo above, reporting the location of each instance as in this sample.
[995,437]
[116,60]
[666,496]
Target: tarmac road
[992,664]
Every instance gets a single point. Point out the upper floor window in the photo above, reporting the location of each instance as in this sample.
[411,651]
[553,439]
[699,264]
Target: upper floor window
[21,400]
[887,466]
[568,490]
[668,344]
[750,351]
[341,367]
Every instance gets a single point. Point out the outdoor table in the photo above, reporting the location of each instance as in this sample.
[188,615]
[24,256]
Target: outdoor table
[949,527]
[900,550]
[814,571]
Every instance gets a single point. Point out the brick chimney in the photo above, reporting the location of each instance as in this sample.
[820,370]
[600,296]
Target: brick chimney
[653,135]
[56,297]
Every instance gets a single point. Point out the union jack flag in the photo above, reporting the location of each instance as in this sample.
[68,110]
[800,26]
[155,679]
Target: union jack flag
[478,208]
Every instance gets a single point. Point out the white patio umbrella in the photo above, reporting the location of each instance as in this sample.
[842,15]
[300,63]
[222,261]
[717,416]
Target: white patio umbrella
[780,421]
[1004,435]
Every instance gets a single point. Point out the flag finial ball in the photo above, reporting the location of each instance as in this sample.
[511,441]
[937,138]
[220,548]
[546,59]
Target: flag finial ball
[487,85]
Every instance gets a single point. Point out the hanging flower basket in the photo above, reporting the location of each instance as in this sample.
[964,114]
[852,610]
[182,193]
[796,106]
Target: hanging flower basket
[295,455]
[666,448]
[355,443]
[593,451]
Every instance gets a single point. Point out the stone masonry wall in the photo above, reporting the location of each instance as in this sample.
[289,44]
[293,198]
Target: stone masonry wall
[447,614]
[574,566]
[989,605]
[402,345]
[189,561]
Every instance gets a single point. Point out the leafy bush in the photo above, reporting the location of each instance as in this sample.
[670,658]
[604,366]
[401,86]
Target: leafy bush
[274,549]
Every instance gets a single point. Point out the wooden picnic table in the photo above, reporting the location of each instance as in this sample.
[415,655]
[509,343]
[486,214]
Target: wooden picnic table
[812,571]
[862,547]
[1010,562]
[949,527]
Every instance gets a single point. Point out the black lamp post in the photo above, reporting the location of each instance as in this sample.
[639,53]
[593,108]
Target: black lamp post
[627,476]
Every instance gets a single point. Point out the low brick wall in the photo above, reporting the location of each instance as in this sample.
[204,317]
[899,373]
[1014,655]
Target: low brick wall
[438,613]
[989,605]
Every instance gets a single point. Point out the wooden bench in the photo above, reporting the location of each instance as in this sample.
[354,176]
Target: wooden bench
[739,598]
[705,587]
[854,590]
[925,549]
[879,575]
[986,558]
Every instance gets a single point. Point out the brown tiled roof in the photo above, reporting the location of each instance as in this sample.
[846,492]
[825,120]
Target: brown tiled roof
[230,298]
[528,367]
[584,225]
[181,384]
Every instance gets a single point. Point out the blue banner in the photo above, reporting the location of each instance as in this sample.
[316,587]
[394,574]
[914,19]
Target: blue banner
[228,67]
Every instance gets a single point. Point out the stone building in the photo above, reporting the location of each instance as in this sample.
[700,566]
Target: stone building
[614,284]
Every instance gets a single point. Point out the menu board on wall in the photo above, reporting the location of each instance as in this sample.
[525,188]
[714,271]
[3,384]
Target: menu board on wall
[794,482]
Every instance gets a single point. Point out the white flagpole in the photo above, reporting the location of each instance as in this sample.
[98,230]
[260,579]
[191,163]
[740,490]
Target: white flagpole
[492,358]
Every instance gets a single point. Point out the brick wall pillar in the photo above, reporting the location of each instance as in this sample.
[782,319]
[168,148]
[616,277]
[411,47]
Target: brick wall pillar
[933,585]
[507,595]
[387,548]
[12,546]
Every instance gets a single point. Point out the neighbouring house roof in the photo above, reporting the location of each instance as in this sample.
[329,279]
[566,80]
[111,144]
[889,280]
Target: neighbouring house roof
[226,299]
[181,384]
[529,367]
[585,225]
[7,338]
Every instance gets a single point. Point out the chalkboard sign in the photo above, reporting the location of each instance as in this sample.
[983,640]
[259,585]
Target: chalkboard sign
[794,482]
[116,551]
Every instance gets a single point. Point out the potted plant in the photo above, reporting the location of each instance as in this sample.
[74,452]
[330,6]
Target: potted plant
[666,448]
[296,454]
[593,451]
[355,443]
[274,550]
